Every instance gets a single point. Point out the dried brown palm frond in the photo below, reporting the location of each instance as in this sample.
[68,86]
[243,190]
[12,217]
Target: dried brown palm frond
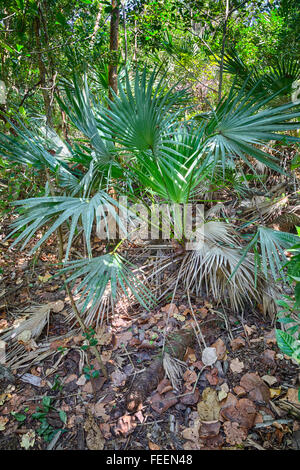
[30,324]
[286,222]
[18,356]
[260,206]
[215,268]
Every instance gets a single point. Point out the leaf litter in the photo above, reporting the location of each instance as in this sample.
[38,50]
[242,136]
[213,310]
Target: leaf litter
[228,398]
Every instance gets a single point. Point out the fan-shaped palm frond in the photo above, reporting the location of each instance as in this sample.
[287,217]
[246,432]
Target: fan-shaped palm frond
[240,124]
[60,209]
[276,80]
[139,118]
[108,271]
[82,109]
[30,148]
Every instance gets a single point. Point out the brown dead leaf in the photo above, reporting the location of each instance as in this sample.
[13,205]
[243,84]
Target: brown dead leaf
[190,398]
[125,425]
[190,378]
[192,433]
[213,376]
[235,434]
[118,378]
[270,337]
[103,337]
[209,429]
[269,379]
[220,347]
[239,391]
[94,437]
[153,446]
[243,412]
[292,396]
[123,339]
[236,366]
[139,415]
[249,329]
[255,387]
[98,410]
[209,407]
[161,404]
[164,386]
[202,312]
[105,429]
[3,421]
[170,308]
[237,343]
[189,356]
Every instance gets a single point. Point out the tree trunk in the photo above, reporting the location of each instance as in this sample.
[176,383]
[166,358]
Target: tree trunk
[114,45]
[42,70]
[223,50]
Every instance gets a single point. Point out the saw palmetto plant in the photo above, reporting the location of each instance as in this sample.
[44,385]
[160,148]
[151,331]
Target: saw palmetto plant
[140,146]
[275,80]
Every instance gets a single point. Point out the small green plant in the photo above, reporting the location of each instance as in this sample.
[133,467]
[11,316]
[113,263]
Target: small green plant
[46,430]
[289,340]
[88,370]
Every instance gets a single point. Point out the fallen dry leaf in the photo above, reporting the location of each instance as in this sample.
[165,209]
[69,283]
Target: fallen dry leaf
[220,348]
[3,421]
[239,391]
[161,404]
[236,366]
[123,339]
[269,379]
[192,433]
[45,278]
[94,436]
[209,429]
[249,329]
[28,439]
[170,308]
[98,410]
[292,395]
[275,392]
[179,317]
[213,376]
[189,377]
[209,407]
[242,412]
[164,386]
[237,343]
[103,337]
[57,306]
[118,377]
[126,425]
[153,446]
[235,434]
[255,387]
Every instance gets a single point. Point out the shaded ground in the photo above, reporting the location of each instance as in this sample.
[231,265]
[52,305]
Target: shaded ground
[248,399]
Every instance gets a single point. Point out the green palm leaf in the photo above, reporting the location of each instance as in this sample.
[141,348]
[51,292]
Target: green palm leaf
[107,271]
[61,209]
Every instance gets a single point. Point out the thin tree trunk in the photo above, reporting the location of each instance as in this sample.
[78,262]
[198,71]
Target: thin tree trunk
[42,70]
[125,35]
[223,50]
[114,46]
[135,41]
[97,23]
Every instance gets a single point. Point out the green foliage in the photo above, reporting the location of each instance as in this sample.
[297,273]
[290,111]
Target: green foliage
[46,430]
